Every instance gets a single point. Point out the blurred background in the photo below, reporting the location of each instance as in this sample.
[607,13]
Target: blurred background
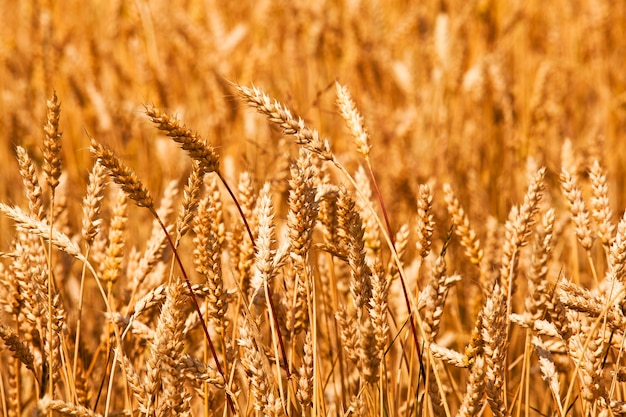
[475,93]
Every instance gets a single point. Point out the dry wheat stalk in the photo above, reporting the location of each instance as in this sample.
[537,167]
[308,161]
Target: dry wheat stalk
[303,207]
[349,334]
[195,370]
[617,252]
[580,299]
[518,228]
[548,371]
[133,381]
[530,207]
[588,351]
[378,311]
[301,218]
[448,355]
[42,229]
[241,249]
[369,354]
[264,259]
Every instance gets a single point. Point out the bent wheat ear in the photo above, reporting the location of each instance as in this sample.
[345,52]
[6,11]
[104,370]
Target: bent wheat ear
[122,175]
[42,229]
[194,144]
[278,114]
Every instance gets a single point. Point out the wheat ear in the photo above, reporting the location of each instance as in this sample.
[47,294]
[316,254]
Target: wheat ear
[52,143]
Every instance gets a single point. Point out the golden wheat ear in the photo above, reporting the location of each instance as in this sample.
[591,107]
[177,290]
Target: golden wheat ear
[197,147]
[122,175]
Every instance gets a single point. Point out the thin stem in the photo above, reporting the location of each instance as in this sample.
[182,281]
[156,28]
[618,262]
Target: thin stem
[243,217]
[382,203]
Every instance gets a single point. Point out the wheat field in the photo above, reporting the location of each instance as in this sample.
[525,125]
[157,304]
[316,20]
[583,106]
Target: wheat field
[333,208]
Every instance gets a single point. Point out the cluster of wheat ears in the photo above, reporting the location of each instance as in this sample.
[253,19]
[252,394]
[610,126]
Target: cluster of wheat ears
[380,208]
[230,309]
